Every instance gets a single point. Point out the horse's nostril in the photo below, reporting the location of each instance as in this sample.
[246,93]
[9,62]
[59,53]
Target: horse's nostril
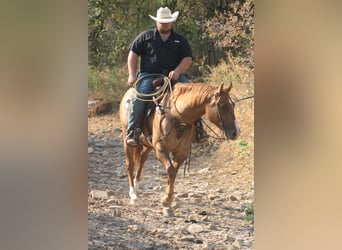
[235,135]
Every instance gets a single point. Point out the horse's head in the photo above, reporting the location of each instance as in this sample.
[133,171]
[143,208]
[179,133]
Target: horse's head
[220,111]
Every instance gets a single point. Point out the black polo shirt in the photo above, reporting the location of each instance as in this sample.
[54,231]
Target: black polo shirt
[158,56]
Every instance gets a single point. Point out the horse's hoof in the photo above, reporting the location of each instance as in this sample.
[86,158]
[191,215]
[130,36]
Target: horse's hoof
[166,202]
[132,194]
[132,202]
[168,212]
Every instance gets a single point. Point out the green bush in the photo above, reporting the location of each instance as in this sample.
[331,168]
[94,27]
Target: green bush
[249,213]
[107,84]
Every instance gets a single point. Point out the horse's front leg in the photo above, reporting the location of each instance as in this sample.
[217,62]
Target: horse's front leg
[169,190]
[163,156]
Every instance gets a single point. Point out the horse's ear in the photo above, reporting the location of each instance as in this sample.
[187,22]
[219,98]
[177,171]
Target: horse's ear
[219,91]
[220,88]
[228,88]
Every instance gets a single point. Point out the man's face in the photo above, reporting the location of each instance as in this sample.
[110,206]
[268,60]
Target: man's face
[164,28]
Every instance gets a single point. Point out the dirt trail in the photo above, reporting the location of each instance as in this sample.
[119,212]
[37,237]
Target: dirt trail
[209,202]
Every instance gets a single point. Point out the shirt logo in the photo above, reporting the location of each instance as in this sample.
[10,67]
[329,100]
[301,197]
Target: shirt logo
[177,41]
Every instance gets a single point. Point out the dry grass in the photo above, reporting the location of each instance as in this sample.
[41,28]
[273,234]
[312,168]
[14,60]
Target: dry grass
[106,84]
[237,154]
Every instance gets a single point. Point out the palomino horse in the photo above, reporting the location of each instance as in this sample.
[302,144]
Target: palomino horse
[170,130]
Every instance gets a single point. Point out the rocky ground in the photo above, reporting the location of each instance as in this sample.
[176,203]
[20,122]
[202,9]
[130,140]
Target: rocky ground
[209,206]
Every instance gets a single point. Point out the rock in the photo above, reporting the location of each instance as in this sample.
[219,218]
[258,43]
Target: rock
[198,241]
[115,211]
[194,195]
[209,246]
[197,200]
[229,237]
[204,170]
[187,238]
[182,195]
[110,193]
[148,193]
[112,201]
[98,194]
[204,218]
[133,228]
[202,212]
[190,221]
[213,197]
[99,145]
[98,243]
[90,150]
[175,205]
[237,244]
[194,229]
[108,163]
[233,198]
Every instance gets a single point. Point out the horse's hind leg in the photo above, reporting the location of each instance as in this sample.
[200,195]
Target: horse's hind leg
[139,165]
[129,153]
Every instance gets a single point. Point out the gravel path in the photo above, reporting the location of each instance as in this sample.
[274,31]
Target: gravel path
[209,203]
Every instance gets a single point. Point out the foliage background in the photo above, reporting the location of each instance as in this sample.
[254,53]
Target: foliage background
[221,33]
[214,29]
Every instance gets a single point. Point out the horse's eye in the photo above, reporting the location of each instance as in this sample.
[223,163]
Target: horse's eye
[222,105]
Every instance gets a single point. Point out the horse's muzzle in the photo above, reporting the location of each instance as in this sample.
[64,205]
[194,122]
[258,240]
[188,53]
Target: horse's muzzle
[232,134]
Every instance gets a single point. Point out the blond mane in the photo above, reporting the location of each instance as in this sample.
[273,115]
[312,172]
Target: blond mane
[192,92]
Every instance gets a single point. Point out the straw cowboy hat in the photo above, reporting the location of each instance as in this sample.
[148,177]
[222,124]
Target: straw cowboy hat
[164,15]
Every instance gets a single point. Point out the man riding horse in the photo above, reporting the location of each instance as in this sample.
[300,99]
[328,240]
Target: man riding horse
[161,51]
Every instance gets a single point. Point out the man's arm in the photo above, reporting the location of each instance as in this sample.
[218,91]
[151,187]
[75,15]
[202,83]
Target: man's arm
[132,68]
[182,67]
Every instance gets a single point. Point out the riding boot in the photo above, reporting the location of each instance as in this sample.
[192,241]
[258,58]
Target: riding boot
[132,138]
[201,135]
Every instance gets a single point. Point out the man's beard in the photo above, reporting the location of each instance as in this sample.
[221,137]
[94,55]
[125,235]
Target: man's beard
[162,31]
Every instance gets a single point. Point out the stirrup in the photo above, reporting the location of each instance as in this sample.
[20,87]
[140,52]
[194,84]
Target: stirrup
[132,138]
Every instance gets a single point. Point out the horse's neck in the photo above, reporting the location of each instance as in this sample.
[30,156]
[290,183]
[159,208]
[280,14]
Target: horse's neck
[188,110]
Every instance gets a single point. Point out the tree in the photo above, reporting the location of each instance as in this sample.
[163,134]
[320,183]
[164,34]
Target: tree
[213,28]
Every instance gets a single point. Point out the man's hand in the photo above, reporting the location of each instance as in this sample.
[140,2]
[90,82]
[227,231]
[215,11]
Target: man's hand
[131,80]
[173,75]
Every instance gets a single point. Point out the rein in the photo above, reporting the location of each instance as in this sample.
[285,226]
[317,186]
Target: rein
[157,95]
[244,98]
[218,137]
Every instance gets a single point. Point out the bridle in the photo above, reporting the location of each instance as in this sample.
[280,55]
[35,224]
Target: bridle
[219,115]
